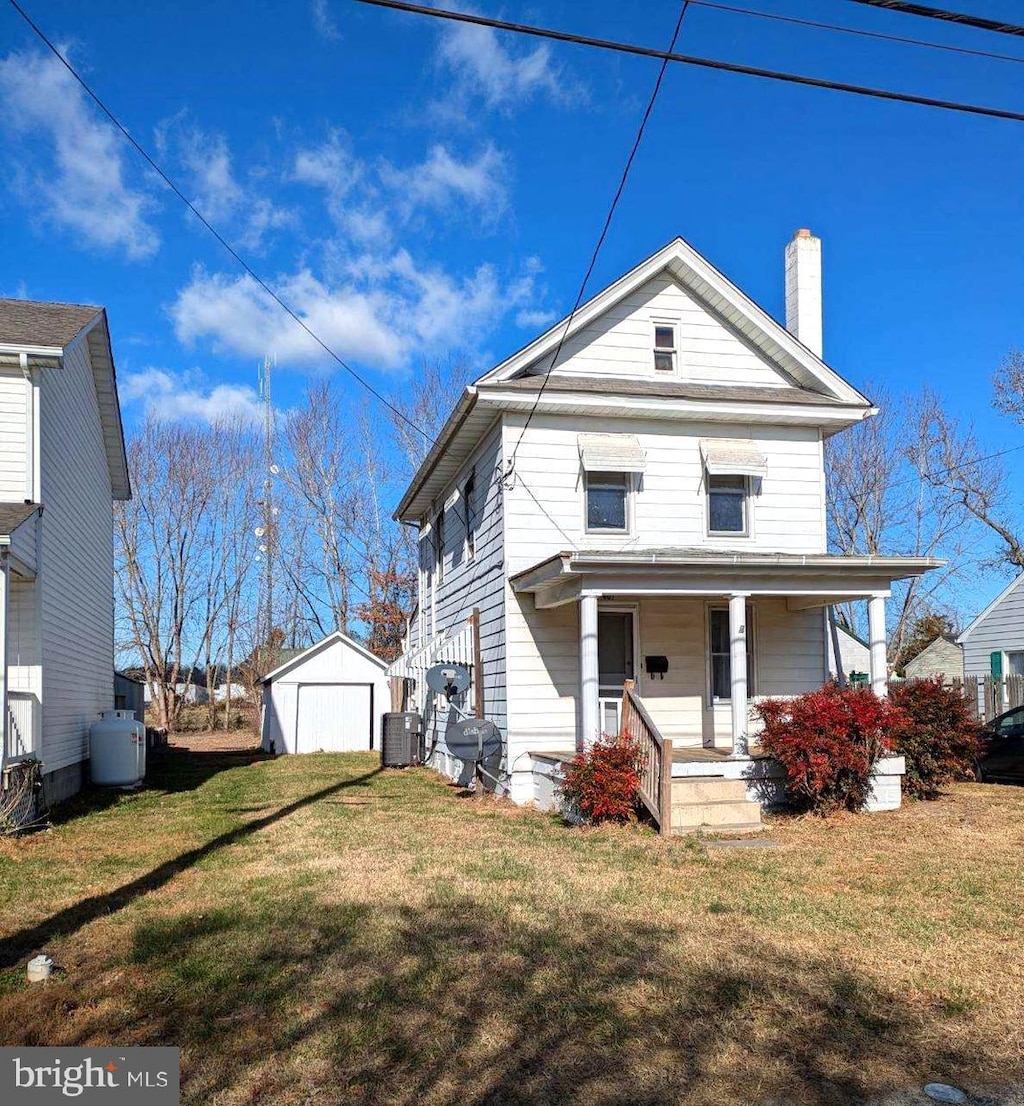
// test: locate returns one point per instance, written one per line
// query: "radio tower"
(268, 542)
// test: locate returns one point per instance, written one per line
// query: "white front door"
(334, 718)
(615, 664)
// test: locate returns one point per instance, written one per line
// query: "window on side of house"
(608, 502)
(664, 347)
(728, 506)
(1015, 663)
(721, 663)
(439, 547)
(470, 507)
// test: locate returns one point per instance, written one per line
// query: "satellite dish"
(448, 679)
(473, 739)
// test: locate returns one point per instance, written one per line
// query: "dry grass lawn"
(313, 931)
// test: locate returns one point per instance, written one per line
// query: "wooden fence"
(989, 696)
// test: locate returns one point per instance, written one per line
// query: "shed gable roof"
(305, 654)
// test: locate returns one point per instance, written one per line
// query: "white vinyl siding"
(14, 462)
(76, 561)
(1000, 630)
(480, 581)
(708, 350)
(544, 510)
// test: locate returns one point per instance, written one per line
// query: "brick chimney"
(803, 289)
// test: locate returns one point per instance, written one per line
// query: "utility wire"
(963, 19)
(860, 32)
(511, 468)
(700, 62)
(141, 150)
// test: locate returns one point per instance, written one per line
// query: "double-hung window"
(608, 502)
(664, 347)
(721, 660)
(728, 509)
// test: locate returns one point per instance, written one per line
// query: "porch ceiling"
(804, 580)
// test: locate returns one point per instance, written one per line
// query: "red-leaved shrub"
(828, 741)
(602, 783)
(939, 740)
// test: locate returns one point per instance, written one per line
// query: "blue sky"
(415, 188)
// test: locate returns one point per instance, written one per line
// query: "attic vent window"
(664, 348)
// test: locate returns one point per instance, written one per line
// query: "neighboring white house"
(62, 465)
(993, 644)
(327, 698)
(854, 653)
(651, 508)
(942, 657)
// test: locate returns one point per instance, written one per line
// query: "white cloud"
(384, 311)
(323, 21)
(186, 397)
(484, 67)
(79, 183)
(233, 207)
(443, 182)
(535, 320)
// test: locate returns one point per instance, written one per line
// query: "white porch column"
(738, 671)
(5, 592)
(589, 712)
(876, 643)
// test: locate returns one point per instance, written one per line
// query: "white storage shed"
(327, 698)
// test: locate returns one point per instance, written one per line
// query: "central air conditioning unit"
(402, 740)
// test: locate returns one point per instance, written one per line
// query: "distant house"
(62, 467)
(993, 644)
(854, 654)
(943, 657)
(327, 698)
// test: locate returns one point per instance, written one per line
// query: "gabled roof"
(305, 654)
(809, 391)
(49, 330)
(53, 325)
(13, 515)
(702, 280)
(990, 608)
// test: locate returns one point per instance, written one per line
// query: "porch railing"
(456, 646)
(655, 758)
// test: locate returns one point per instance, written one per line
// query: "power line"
(141, 150)
(700, 62)
(961, 18)
(510, 471)
(962, 465)
(859, 32)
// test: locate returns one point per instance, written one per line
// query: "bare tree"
(425, 401)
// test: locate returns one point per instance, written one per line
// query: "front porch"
(702, 634)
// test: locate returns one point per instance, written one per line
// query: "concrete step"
(722, 812)
(730, 829)
(707, 789)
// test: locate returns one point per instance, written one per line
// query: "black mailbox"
(656, 666)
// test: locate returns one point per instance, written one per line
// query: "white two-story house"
(649, 506)
(62, 465)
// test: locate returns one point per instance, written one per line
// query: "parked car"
(1002, 757)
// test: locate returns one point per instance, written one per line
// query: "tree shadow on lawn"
(73, 918)
(454, 1002)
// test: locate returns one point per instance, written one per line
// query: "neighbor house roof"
(12, 515)
(304, 654)
(1011, 586)
(45, 332)
(44, 325)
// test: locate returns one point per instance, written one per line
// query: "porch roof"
(804, 579)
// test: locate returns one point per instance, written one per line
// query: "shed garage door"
(335, 718)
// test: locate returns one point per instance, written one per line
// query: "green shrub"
(939, 739)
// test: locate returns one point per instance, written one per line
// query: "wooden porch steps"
(713, 803)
